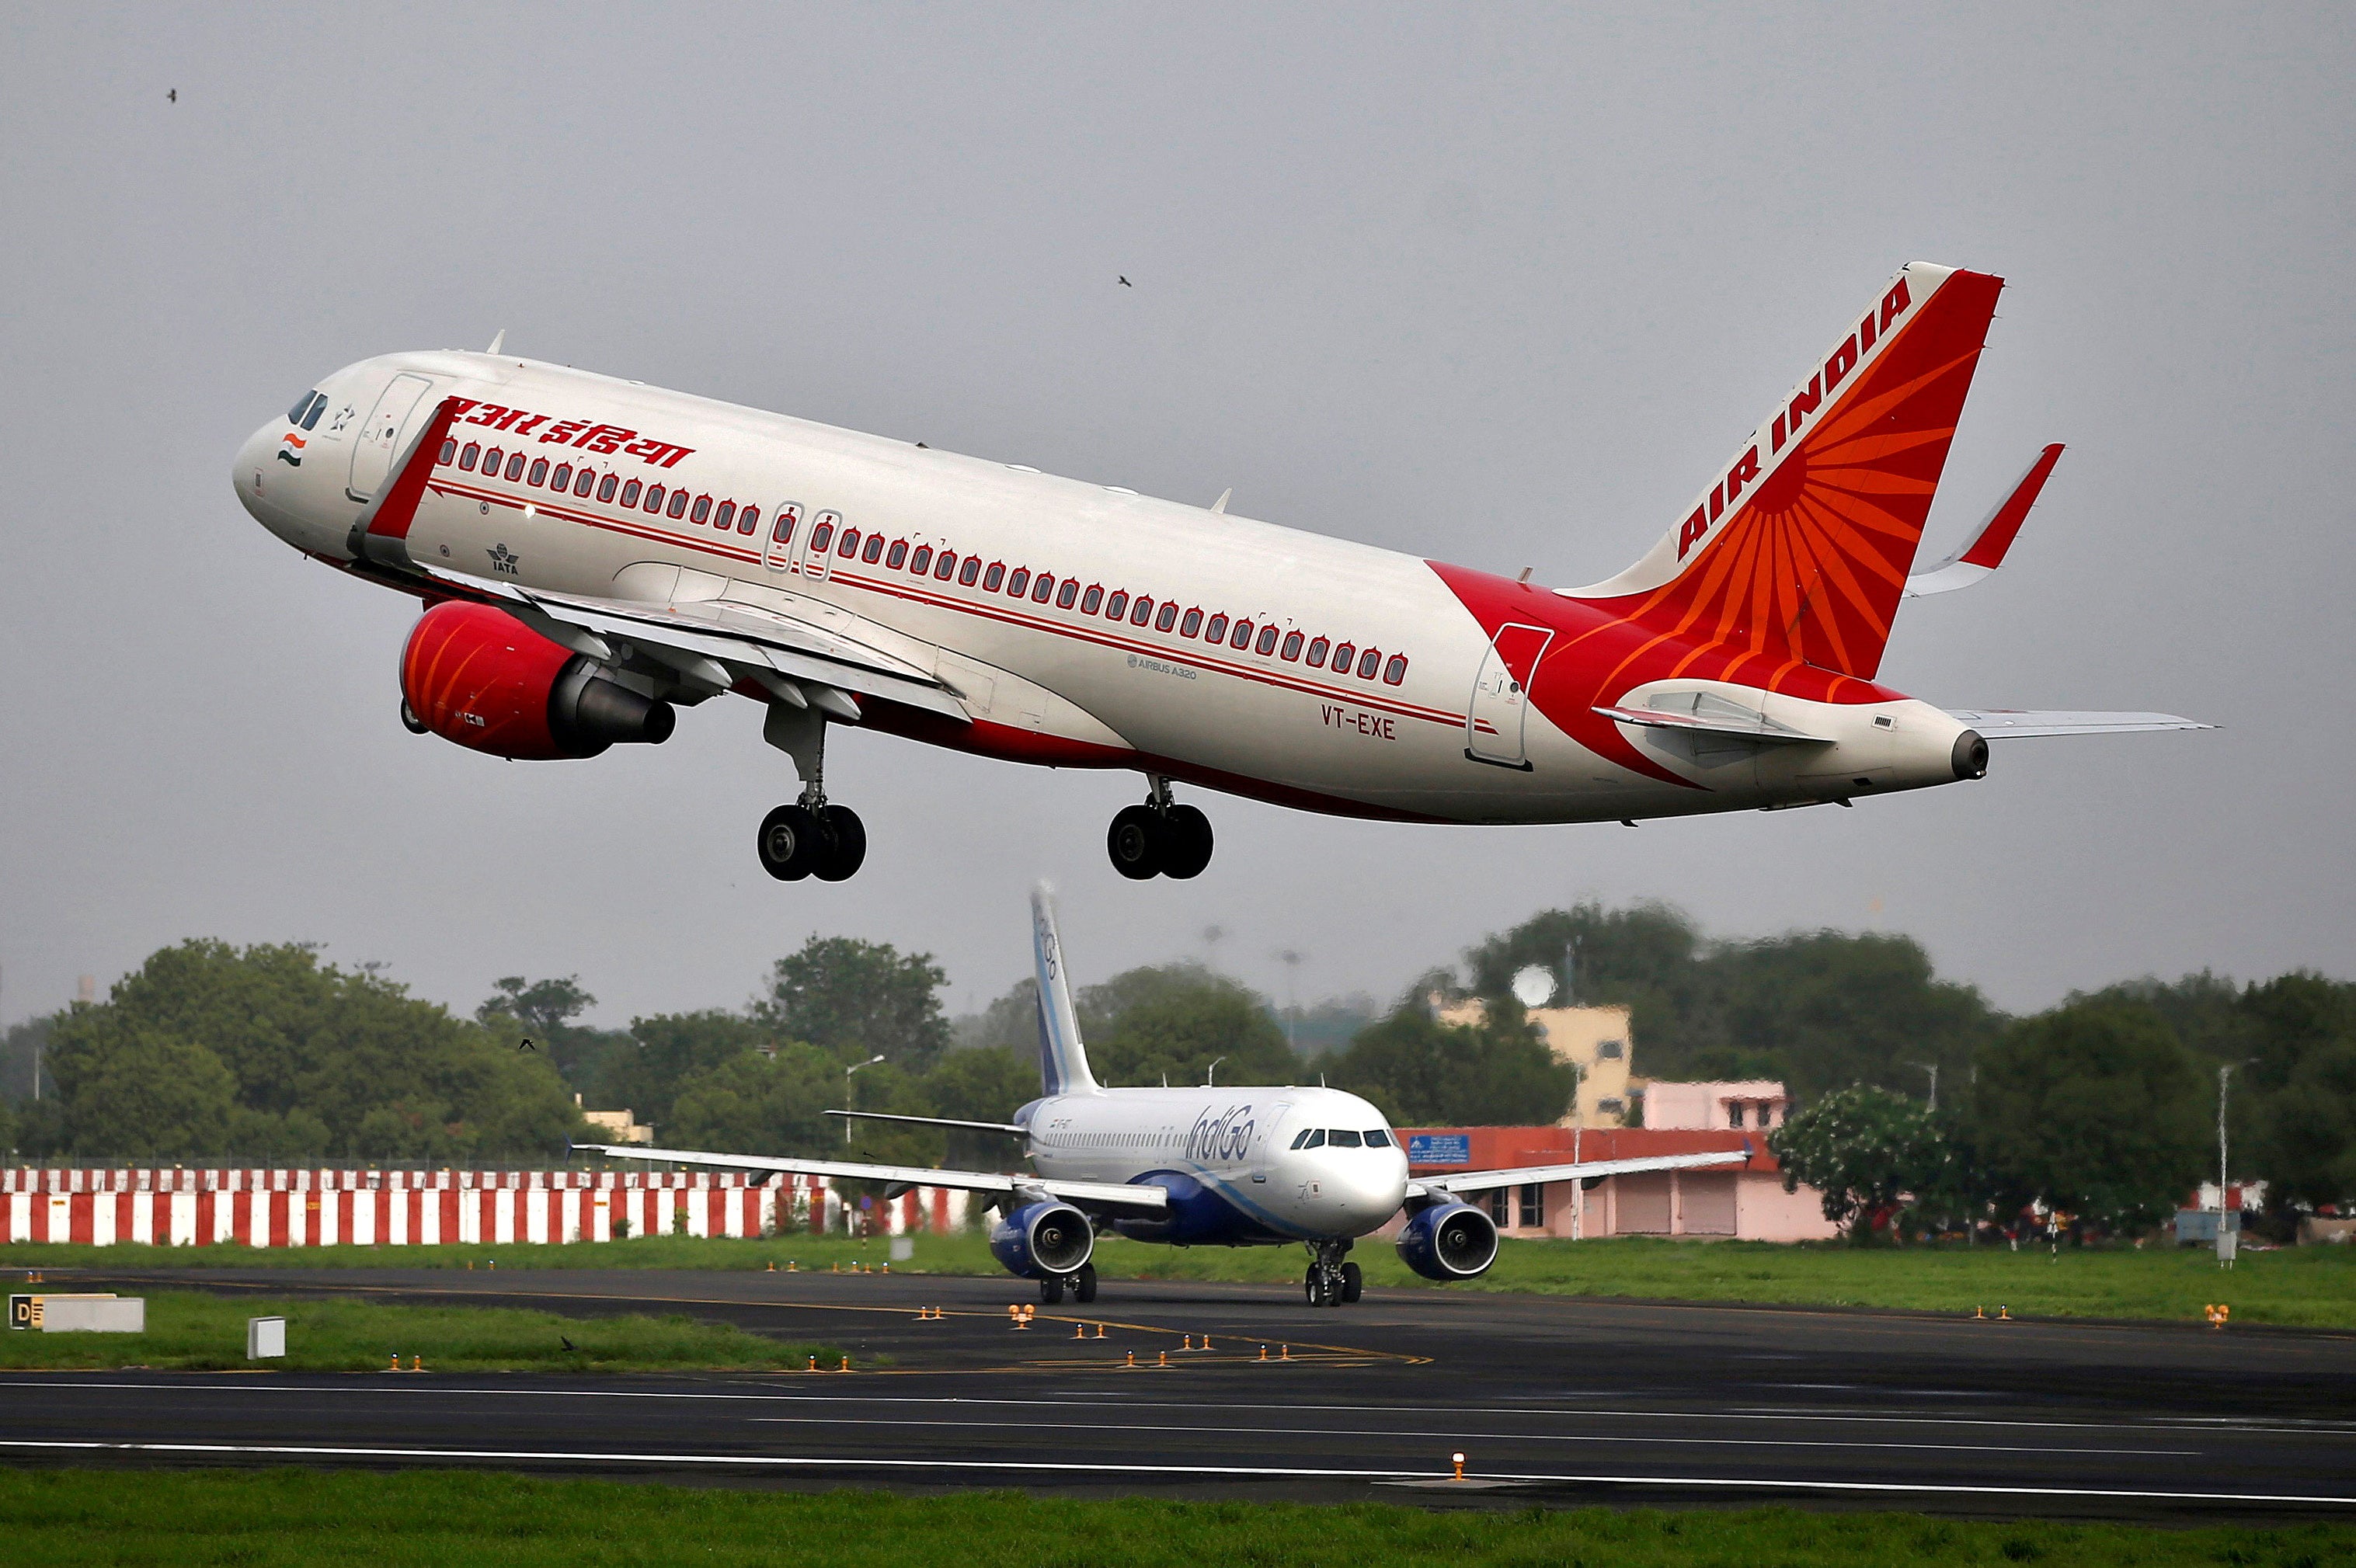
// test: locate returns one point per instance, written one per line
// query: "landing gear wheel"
(1187, 842)
(1354, 1281)
(847, 844)
(409, 719)
(792, 842)
(1051, 1291)
(1084, 1285)
(1137, 842)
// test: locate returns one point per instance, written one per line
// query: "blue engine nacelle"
(1042, 1241)
(1449, 1241)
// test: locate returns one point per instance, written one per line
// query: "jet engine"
(1042, 1241)
(477, 675)
(1449, 1241)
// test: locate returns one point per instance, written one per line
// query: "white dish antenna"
(1534, 987)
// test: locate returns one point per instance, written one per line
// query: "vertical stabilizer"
(1062, 1060)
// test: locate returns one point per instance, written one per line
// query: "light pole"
(847, 1103)
(1932, 1069)
(2227, 1244)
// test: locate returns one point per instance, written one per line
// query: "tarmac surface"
(1245, 1391)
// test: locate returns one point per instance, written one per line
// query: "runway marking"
(1454, 1434)
(1045, 1466)
(2196, 1424)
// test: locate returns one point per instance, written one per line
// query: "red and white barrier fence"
(402, 1208)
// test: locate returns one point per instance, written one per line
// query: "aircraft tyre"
(1354, 1281)
(1051, 1291)
(791, 843)
(1138, 842)
(1187, 842)
(846, 844)
(409, 719)
(1084, 1285)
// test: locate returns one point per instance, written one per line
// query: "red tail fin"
(1801, 549)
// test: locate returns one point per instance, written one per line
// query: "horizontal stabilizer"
(2013, 723)
(1986, 550)
(1699, 713)
(1010, 1128)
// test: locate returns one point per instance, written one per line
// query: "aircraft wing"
(1487, 1180)
(1985, 551)
(720, 642)
(2013, 723)
(1099, 1194)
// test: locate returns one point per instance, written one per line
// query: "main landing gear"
(1083, 1287)
(812, 837)
(1159, 838)
(1330, 1281)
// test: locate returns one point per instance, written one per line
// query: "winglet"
(1063, 1059)
(497, 339)
(381, 533)
(1986, 549)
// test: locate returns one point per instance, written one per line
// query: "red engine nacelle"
(477, 676)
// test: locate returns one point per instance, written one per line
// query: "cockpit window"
(318, 407)
(1342, 1137)
(1313, 1138)
(1379, 1137)
(302, 406)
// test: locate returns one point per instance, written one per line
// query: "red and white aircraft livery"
(593, 553)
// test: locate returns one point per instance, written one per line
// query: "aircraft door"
(379, 438)
(1492, 722)
(1264, 1145)
(817, 558)
(785, 535)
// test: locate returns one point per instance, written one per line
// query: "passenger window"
(539, 470)
(318, 407)
(1069, 591)
(1167, 619)
(782, 531)
(1116, 607)
(874, 550)
(820, 537)
(725, 517)
(748, 520)
(899, 556)
(1341, 657)
(562, 480)
(970, 572)
(1190, 624)
(1043, 590)
(1313, 1138)
(515, 464)
(678, 508)
(1216, 632)
(585, 481)
(1343, 1137)
(467, 458)
(1395, 671)
(1142, 614)
(1242, 638)
(922, 561)
(703, 509)
(1020, 583)
(449, 451)
(654, 494)
(491, 464)
(948, 566)
(606, 487)
(1090, 600)
(1379, 1137)
(849, 544)
(1291, 646)
(629, 495)
(1266, 640)
(996, 575)
(1369, 662)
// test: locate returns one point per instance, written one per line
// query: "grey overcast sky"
(1499, 285)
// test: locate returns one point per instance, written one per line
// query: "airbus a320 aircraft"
(592, 553)
(1207, 1167)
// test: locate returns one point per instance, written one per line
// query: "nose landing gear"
(811, 836)
(1159, 838)
(1331, 1282)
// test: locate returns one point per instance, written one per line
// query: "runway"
(1553, 1401)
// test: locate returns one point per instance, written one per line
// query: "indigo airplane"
(593, 553)
(1262, 1166)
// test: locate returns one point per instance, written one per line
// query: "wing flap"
(1104, 1194)
(2018, 724)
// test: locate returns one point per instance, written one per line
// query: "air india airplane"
(592, 554)
(1207, 1167)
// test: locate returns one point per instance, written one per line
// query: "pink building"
(1748, 1103)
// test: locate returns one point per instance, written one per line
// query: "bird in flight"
(527, 1045)
(1127, 284)
(172, 96)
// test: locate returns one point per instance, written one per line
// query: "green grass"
(193, 1332)
(2300, 1287)
(301, 1518)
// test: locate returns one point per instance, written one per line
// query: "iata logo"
(1745, 473)
(503, 560)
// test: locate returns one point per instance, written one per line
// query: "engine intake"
(477, 675)
(1042, 1241)
(1449, 1241)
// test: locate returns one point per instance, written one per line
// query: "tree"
(1837, 1008)
(663, 1053)
(1862, 1149)
(1011, 1020)
(1422, 1072)
(763, 1104)
(142, 1093)
(543, 1012)
(1178, 1019)
(986, 1084)
(2094, 1108)
(855, 998)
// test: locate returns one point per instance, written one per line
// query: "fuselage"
(1243, 1165)
(1079, 624)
